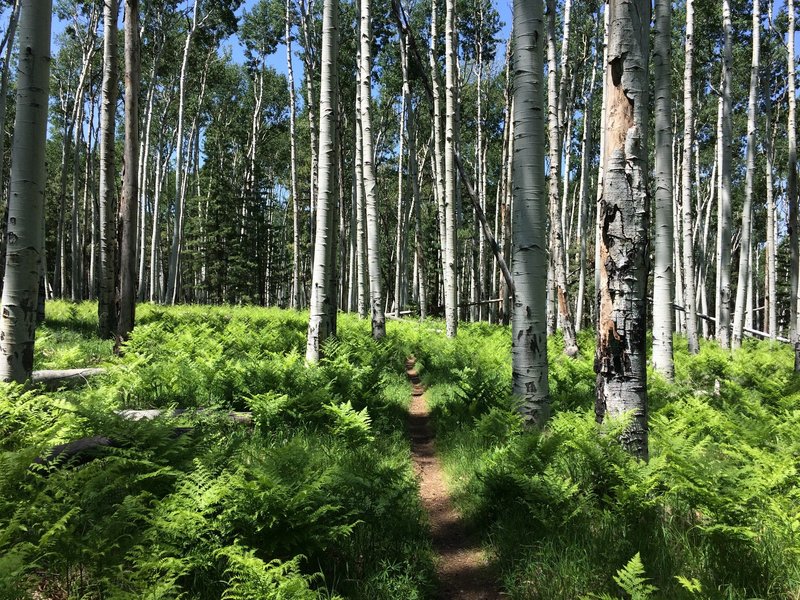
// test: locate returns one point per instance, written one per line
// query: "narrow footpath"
(461, 567)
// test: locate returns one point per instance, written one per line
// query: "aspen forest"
(399, 300)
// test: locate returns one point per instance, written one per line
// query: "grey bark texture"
(106, 309)
(663, 274)
(624, 208)
(724, 211)
(686, 185)
(369, 176)
(529, 229)
(25, 237)
(559, 264)
(321, 319)
(791, 185)
(451, 251)
(745, 274)
(130, 191)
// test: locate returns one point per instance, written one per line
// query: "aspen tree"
(620, 361)
(745, 243)
(180, 189)
(368, 172)
(130, 192)
(559, 264)
(451, 250)
(724, 206)
(25, 250)
(529, 254)
(791, 187)
(686, 185)
(106, 310)
(294, 298)
(663, 275)
(320, 323)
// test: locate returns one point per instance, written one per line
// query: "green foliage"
(631, 578)
(712, 515)
(318, 499)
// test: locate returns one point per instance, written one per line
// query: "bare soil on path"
(461, 566)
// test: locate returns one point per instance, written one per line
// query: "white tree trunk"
(529, 255)
(771, 249)
(745, 248)
(686, 185)
(451, 250)
(663, 275)
(724, 214)
(791, 186)
(180, 192)
(438, 150)
(321, 321)
(368, 171)
(620, 359)
(559, 265)
(25, 251)
(294, 298)
(583, 198)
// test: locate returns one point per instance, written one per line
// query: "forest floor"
(461, 566)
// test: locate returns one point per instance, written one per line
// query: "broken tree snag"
(623, 212)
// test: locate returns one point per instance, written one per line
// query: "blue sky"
(278, 60)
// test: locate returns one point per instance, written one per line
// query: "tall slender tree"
(724, 197)
(745, 248)
(451, 251)
(620, 361)
(663, 276)
(686, 184)
(791, 188)
(130, 191)
(106, 309)
(25, 251)
(559, 264)
(294, 299)
(368, 174)
(529, 254)
(321, 324)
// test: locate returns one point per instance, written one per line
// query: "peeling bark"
(620, 361)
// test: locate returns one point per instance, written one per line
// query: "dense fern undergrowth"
(317, 499)
(567, 514)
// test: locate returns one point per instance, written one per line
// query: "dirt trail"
(461, 566)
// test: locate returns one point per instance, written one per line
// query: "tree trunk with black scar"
(25, 237)
(529, 254)
(620, 361)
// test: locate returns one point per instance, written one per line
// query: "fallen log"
(53, 379)
(244, 418)
(84, 450)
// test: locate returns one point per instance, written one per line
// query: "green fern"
(250, 577)
(351, 426)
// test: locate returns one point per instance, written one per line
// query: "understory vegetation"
(568, 514)
(317, 498)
